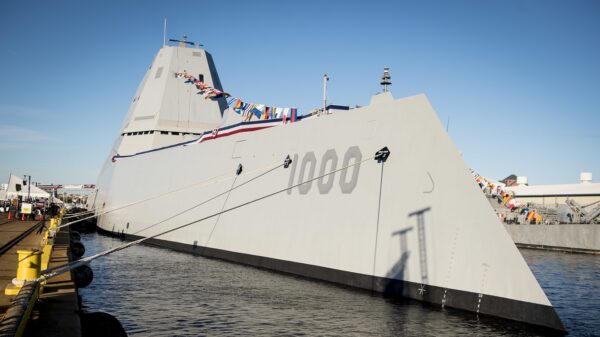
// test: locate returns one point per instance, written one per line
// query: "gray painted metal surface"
(567, 237)
(370, 222)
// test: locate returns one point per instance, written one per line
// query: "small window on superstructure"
(175, 133)
(146, 132)
(158, 72)
(152, 132)
(201, 77)
(164, 132)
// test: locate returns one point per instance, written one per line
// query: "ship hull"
(398, 227)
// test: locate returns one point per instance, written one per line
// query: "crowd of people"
(35, 208)
(507, 199)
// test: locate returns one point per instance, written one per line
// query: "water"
(158, 292)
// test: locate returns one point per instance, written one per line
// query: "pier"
(47, 309)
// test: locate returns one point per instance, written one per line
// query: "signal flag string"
(53, 272)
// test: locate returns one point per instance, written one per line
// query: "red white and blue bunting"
(249, 111)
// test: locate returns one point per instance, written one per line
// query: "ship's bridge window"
(164, 132)
(201, 77)
(175, 133)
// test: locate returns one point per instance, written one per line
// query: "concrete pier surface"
(576, 238)
(14, 235)
(55, 313)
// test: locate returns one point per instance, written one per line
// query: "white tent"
(16, 187)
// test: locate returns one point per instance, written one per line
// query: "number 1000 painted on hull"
(399, 227)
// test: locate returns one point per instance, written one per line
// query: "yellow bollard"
(53, 227)
(27, 270)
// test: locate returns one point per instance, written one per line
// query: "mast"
(165, 33)
(325, 80)
(386, 79)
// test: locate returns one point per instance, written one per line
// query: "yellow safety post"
(48, 243)
(46, 252)
(53, 227)
(28, 269)
(61, 212)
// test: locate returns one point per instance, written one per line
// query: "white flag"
(278, 112)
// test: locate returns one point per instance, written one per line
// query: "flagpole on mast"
(325, 79)
(165, 33)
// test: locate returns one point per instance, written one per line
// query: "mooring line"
(377, 229)
(211, 198)
(219, 216)
(52, 272)
(144, 200)
(199, 184)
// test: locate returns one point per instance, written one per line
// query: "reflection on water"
(158, 292)
(572, 283)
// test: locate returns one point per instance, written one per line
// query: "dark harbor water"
(158, 292)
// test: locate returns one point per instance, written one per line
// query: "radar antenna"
(386, 79)
(184, 41)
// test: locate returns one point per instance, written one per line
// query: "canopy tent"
(16, 187)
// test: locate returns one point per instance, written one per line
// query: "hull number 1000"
(303, 171)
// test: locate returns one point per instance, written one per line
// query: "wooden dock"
(56, 311)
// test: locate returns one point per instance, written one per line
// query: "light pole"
(28, 177)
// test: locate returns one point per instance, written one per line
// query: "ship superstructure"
(371, 197)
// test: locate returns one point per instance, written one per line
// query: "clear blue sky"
(520, 80)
